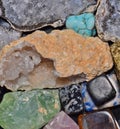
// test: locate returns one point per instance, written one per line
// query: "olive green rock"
(29, 109)
(115, 50)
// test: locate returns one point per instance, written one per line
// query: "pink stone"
(61, 121)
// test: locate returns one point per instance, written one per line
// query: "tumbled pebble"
(83, 24)
(71, 99)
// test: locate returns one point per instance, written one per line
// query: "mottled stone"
(83, 24)
(88, 101)
(28, 110)
(61, 121)
(53, 60)
(101, 90)
(7, 34)
(115, 50)
(33, 14)
(97, 120)
(71, 100)
(108, 20)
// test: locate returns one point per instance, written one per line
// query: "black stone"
(71, 99)
(101, 90)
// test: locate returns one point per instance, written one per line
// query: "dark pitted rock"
(27, 15)
(108, 20)
(7, 34)
(115, 50)
(28, 110)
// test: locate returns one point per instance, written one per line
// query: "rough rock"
(57, 59)
(115, 50)
(7, 34)
(28, 110)
(83, 24)
(108, 20)
(61, 121)
(27, 15)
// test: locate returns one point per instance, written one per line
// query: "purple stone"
(61, 121)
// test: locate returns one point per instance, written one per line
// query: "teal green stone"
(83, 24)
(29, 109)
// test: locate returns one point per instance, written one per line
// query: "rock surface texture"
(28, 110)
(108, 20)
(57, 59)
(115, 49)
(33, 14)
(61, 121)
(7, 34)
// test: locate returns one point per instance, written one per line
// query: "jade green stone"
(115, 50)
(29, 109)
(83, 24)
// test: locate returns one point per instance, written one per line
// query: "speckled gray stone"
(27, 15)
(7, 34)
(108, 20)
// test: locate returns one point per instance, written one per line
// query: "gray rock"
(27, 15)
(108, 20)
(7, 34)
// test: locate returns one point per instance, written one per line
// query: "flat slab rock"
(27, 15)
(108, 20)
(60, 58)
(7, 34)
(61, 121)
(28, 110)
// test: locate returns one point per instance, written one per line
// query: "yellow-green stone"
(29, 109)
(115, 50)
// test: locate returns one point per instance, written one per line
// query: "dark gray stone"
(108, 20)
(7, 34)
(27, 15)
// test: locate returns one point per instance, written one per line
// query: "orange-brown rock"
(42, 60)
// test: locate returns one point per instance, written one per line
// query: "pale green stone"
(29, 109)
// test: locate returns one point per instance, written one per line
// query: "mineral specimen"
(108, 20)
(101, 90)
(88, 101)
(7, 34)
(28, 110)
(61, 121)
(115, 50)
(97, 120)
(83, 24)
(26, 15)
(71, 99)
(60, 58)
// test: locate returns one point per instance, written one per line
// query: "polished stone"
(71, 99)
(83, 24)
(101, 90)
(97, 120)
(61, 121)
(29, 109)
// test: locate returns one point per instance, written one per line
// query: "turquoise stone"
(29, 109)
(83, 24)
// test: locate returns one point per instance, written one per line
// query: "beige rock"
(42, 60)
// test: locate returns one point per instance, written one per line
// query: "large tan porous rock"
(60, 58)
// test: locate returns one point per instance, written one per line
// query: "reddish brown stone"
(67, 56)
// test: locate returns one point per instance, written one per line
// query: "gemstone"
(83, 24)
(97, 120)
(28, 15)
(29, 109)
(101, 90)
(108, 20)
(71, 99)
(52, 60)
(88, 101)
(116, 56)
(61, 121)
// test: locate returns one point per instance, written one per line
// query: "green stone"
(115, 50)
(29, 109)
